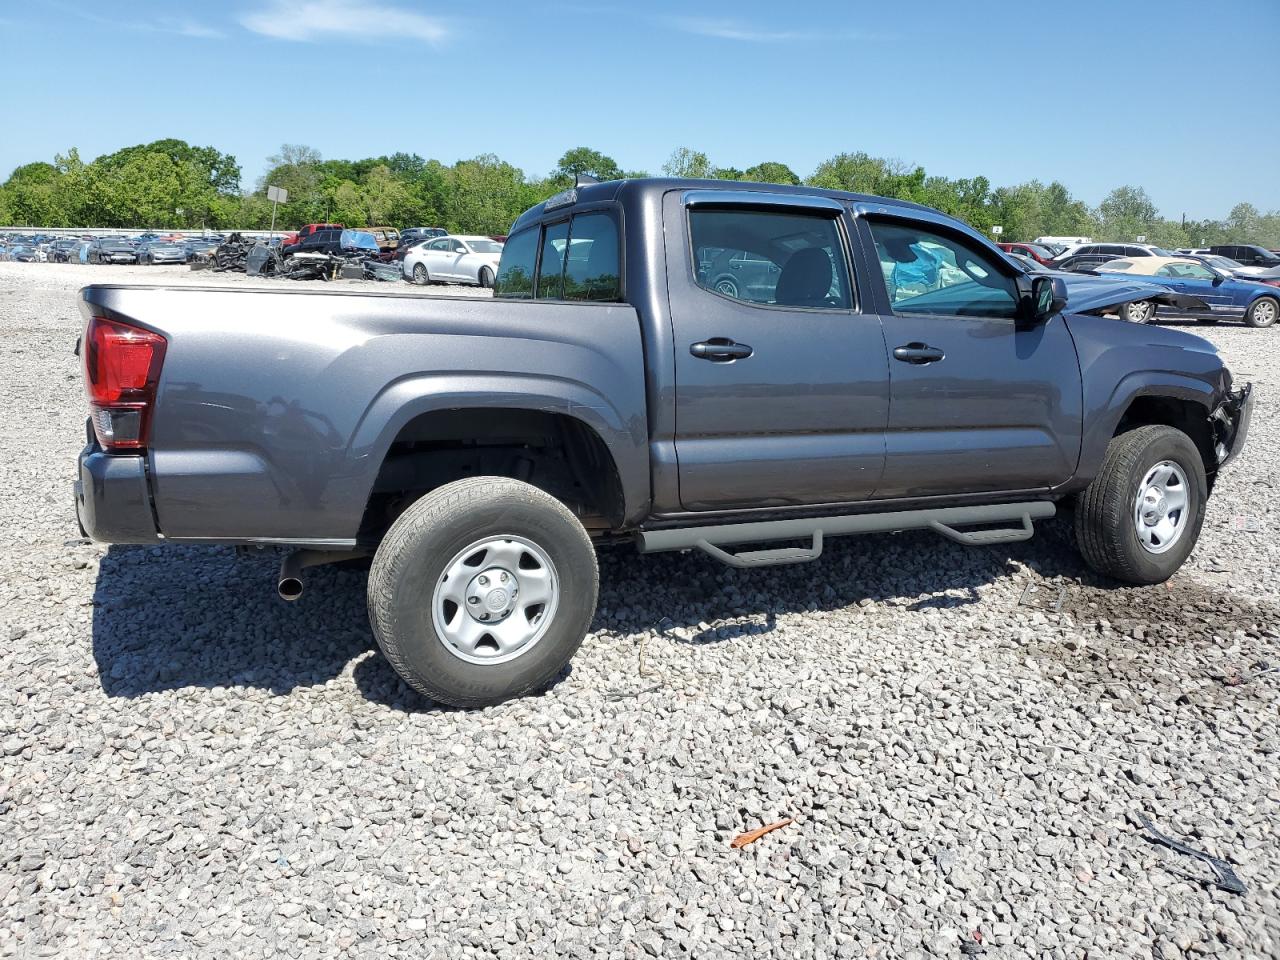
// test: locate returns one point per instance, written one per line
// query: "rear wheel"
(1140, 517)
(420, 274)
(1263, 312)
(482, 590)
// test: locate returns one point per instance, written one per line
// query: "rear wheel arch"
(559, 453)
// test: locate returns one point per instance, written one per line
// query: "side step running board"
(712, 540)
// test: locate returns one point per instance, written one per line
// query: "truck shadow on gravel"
(177, 617)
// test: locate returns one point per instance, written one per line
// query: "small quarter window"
(555, 239)
(515, 269)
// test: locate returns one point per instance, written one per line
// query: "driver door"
(976, 403)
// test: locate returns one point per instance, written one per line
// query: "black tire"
(429, 537)
(420, 275)
(1263, 312)
(1138, 311)
(1106, 529)
(486, 277)
(727, 286)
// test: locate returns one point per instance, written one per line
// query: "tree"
(688, 163)
(485, 195)
(860, 173)
(771, 172)
(591, 162)
(218, 171)
(1127, 212)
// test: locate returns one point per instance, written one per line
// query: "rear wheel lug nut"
(473, 599)
(484, 581)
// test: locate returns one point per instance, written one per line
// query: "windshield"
(1222, 263)
(1162, 252)
(1039, 249)
(485, 246)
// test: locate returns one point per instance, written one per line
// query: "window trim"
(1001, 264)
(825, 209)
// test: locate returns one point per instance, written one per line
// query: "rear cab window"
(577, 258)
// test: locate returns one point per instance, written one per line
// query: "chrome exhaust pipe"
(289, 582)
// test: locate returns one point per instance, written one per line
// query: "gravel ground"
(188, 766)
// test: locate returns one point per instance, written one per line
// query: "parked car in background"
(319, 241)
(200, 247)
(61, 251)
(388, 237)
(1267, 275)
(1084, 261)
(1111, 249)
(25, 253)
(112, 250)
(1227, 297)
(297, 236)
(421, 233)
(1036, 251)
(405, 246)
(1247, 254)
(161, 251)
(454, 259)
(737, 272)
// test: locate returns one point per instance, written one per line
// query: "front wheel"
(1263, 312)
(482, 590)
(486, 277)
(1139, 311)
(1141, 516)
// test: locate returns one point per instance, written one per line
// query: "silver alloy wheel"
(1264, 312)
(1161, 508)
(495, 600)
(1139, 311)
(727, 287)
(419, 273)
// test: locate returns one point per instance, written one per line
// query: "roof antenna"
(579, 179)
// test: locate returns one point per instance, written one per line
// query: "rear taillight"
(121, 371)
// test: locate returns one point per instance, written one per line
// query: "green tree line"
(173, 183)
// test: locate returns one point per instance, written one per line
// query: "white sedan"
(454, 260)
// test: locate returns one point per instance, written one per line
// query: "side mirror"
(1048, 296)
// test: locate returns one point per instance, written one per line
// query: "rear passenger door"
(977, 404)
(781, 376)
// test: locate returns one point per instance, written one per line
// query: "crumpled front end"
(1230, 421)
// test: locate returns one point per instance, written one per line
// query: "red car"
(297, 236)
(1033, 250)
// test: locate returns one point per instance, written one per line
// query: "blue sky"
(1177, 96)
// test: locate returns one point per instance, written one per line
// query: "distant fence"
(120, 232)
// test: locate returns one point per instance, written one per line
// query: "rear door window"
(592, 266)
(771, 258)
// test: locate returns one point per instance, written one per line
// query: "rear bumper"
(1231, 423)
(113, 503)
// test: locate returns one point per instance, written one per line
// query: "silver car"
(161, 251)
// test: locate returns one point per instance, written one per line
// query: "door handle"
(720, 350)
(916, 352)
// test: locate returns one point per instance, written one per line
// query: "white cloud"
(733, 30)
(307, 20)
(186, 28)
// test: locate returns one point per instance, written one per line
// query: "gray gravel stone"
(189, 767)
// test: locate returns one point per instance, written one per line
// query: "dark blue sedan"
(1228, 298)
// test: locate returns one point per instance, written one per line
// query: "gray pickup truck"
(739, 369)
